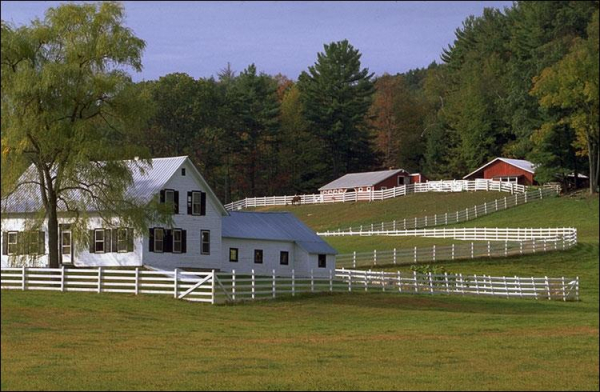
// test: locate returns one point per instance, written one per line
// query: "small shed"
(267, 241)
(517, 171)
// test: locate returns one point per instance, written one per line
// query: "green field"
(352, 341)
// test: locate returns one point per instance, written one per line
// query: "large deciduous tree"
(69, 110)
(337, 94)
(572, 86)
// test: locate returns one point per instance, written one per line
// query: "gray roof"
(277, 226)
(353, 180)
(520, 163)
(148, 180)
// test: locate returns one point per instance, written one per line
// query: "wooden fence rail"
(449, 218)
(403, 190)
(218, 287)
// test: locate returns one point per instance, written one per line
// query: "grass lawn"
(341, 215)
(366, 341)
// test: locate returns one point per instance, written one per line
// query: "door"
(66, 244)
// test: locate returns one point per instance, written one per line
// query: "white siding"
(192, 224)
(271, 256)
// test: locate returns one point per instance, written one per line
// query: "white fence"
(192, 286)
(458, 284)
(431, 254)
(213, 287)
(430, 186)
(449, 218)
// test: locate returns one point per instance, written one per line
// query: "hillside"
(336, 215)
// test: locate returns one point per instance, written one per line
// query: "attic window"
(183, 171)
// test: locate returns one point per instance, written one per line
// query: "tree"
(572, 85)
(70, 111)
(337, 94)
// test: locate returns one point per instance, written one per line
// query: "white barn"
(199, 238)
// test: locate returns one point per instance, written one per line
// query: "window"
(12, 243)
(33, 239)
(98, 241)
(205, 238)
(284, 257)
(121, 240)
(322, 261)
(183, 171)
(159, 235)
(258, 256)
(233, 255)
(196, 203)
(169, 196)
(177, 240)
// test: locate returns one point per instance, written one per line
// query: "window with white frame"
(205, 237)
(122, 240)
(12, 243)
(159, 236)
(177, 241)
(99, 241)
(196, 203)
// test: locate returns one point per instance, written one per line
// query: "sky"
(200, 38)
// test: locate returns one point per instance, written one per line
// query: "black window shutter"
(183, 241)
(168, 241)
(5, 243)
(162, 196)
(107, 240)
(129, 239)
(42, 242)
(203, 204)
(151, 240)
(20, 243)
(115, 241)
(92, 242)
(176, 197)
(189, 203)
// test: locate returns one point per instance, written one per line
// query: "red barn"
(371, 181)
(517, 171)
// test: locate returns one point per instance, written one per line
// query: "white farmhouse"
(204, 235)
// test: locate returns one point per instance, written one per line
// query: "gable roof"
(352, 180)
(277, 226)
(148, 180)
(520, 163)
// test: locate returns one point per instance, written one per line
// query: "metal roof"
(353, 180)
(148, 180)
(277, 226)
(520, 163)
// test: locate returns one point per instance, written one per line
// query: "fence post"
(446, 218)
(467, 210)
(520, 247)
(233, 285)
(293, 283)
(548, 288)
(99, 279)
(446, 280)
(383, 281)
(399, 282)
(472, 251)
(175, 283)
(462, 284)
(577, 288)
(541, 194)
(415, 254)
(24, 277)
(506, 248)
(534, 288)
(331, 281)
(433, 252)
(312, 281)
(564, 294)
(476, 284)
(274, 290)
(394, 256)
(375, 256)
(367, 275)
(489, 250)
(534, 246)
(452, 251)
(430, 283)
(62, 278)
(213, 288)
(350, 281)
(253, 284)
(354, 259)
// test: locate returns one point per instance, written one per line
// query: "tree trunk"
(53, 248)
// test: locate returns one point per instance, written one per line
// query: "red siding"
(417, 178)
(390, 182)
(503, 169)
